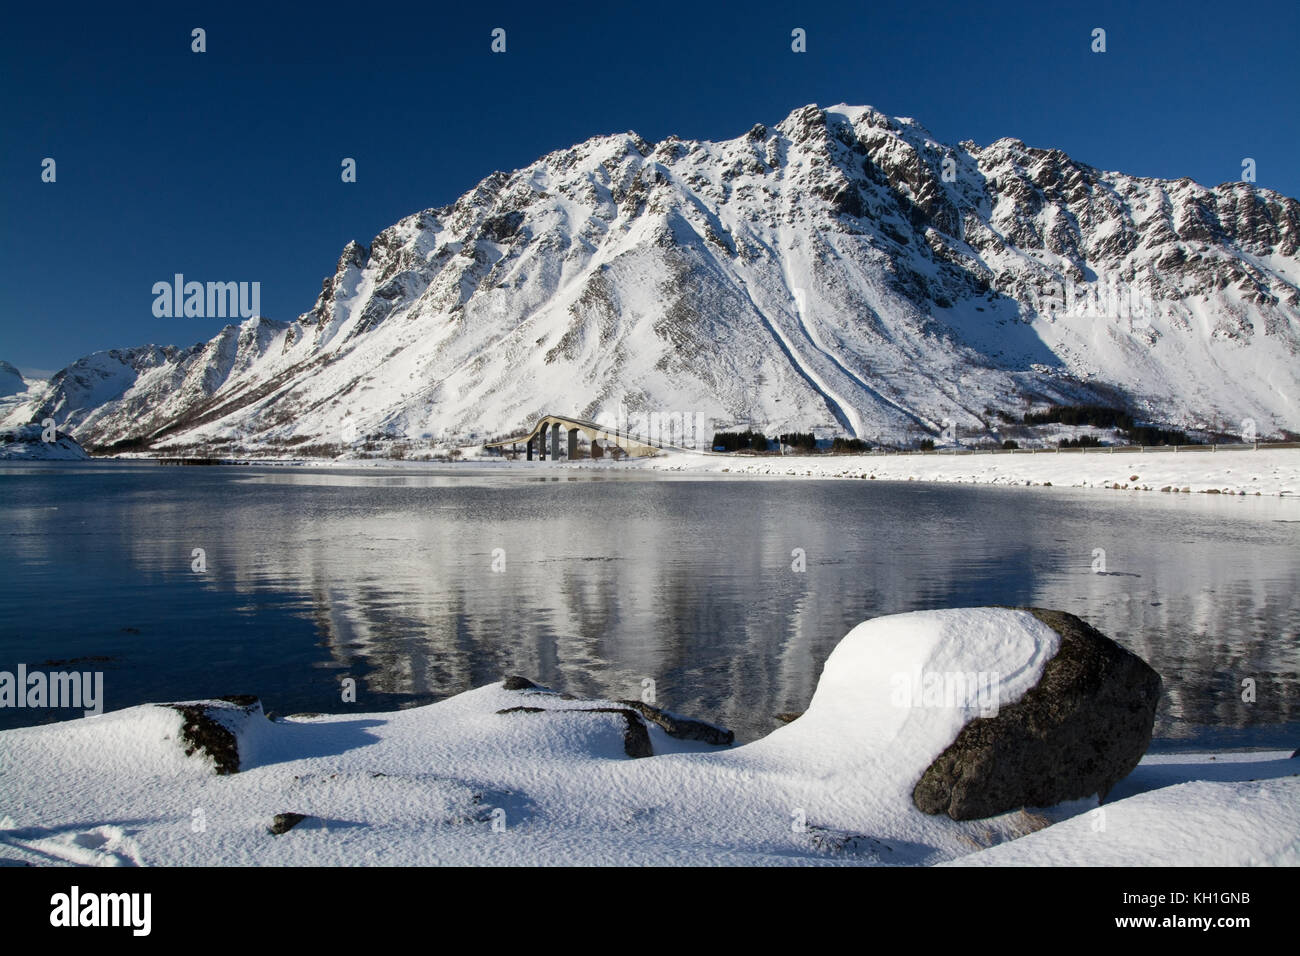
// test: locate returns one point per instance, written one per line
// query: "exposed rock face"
(1080, 730)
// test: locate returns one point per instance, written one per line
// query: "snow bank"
(497, 776)
(1200, 823)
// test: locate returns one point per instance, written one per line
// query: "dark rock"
(515, 682)
(789, 716)
(636, 738)
(207, 728)
(683, 728)
(284, 822)
(500, 228)
(1079, 731)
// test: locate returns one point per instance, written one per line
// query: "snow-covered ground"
(550, 781)
(1212, 809)
(1264, 472)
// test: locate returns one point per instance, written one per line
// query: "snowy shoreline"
(512, 774)
(1265, 472)
(1272, 472)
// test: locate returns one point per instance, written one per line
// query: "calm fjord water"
(387, 576)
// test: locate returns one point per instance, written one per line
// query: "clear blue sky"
(225, 165)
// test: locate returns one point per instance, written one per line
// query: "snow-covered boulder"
(1080, 729)
(897, 690)
(224, 730)
(27, 443)
(908, 713)
(594, 722)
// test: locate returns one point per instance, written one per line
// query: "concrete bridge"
(548, 429)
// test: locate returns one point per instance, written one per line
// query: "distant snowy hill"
(841, 270)
(17, 392)
(27, 443)
(11, 381)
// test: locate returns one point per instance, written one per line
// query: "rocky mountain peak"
(840, 270)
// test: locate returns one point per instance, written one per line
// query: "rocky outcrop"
(1083, 727)
(213, 728)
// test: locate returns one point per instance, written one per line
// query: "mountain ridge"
(841, 271)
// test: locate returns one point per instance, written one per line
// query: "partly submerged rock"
(1080, 729)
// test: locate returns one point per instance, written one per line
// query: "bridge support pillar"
(573, 444)
(555, 441)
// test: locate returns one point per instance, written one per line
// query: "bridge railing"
(619, 433)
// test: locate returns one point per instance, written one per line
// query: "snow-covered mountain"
(34, 443)
(17, 392)
(841, 270)
(11, 381)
